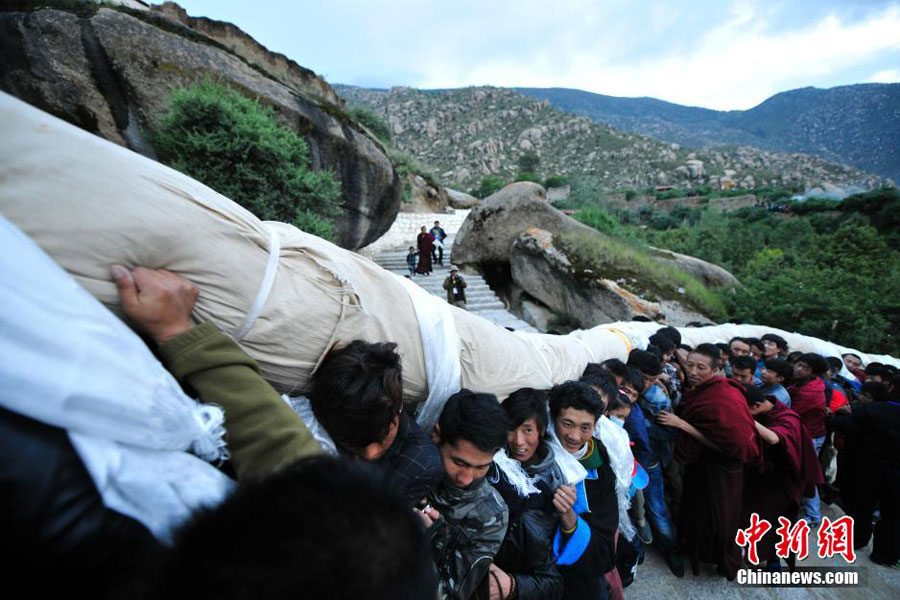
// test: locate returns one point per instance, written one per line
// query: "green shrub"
(529, 162)
(533, 177)
(556, 181)
(373, 121)
(237, 147)
(490, 184)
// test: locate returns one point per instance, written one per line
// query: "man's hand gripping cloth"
(68, 362)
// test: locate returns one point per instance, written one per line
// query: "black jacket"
(57, 533)
(527, 549)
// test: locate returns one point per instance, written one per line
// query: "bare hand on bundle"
(159, 302)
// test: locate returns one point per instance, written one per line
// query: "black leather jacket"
(57, 533)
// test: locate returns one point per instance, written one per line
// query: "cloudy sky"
(713, 53)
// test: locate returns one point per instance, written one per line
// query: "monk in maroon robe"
(789, 471)
(718, 440)
(425, 243)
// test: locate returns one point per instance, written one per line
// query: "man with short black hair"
(357, 397)
(437, 252)
(292, 532)
(774, 346)
(743, 369)
(471, 430)
(791, 470)
(776, 373)
(585, 548)
(739, 346)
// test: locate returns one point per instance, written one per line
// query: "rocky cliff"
(111, 70)
(468, 133)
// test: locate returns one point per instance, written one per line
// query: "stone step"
(480, 299)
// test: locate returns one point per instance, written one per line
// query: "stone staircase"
(480, 299)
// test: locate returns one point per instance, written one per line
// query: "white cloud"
(886, 76)
(734, 65)
(704, 53)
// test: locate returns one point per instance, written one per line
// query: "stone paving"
(654, 580)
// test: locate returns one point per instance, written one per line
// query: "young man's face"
(744, 376)
(699, 368)
(802, 370)
(464, 462)
(739, 348)
(770, 377)
(756, 352)
(852, 361)
(770, 349)
(574, 428)
(523, 441)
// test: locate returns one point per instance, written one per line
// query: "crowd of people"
(554, 493)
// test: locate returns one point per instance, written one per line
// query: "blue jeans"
(811, 505)
(657, 511)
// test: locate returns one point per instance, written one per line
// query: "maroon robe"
(714, 481)
(789, 471)
(425, 243)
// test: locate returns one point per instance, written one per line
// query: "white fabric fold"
(66, 361)
(441, 347)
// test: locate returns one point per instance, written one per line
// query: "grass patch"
(617, 259)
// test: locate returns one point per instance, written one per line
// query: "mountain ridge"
(469, 133)
(856, 124)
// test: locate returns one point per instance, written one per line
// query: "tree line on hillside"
(828, 268)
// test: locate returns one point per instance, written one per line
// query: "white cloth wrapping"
(640, 332)
(66, 361)
(621, 460)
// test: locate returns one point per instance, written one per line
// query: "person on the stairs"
(411, 260)
(456, 288)
(425, 244)
(437, 252)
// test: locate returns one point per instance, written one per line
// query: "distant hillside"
(468, 133)
(855, 124)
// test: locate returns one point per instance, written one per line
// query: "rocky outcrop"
(461, 199)
(709, 274)
(545, 272)
(498, 220)
(496, 223)
(111, 71)
(423, 197)
(253, 52)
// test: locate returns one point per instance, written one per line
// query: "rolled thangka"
(286, 296)
(66, 361)
(640, 333)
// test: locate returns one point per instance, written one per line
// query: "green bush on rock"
(236, 146)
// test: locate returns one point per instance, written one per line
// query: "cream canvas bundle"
(285, 295)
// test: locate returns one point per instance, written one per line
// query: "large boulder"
(488, 233)
(461, 199)
(543, 269)
(111, 71)
(709, 274)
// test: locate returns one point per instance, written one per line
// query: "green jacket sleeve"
(264, 434)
